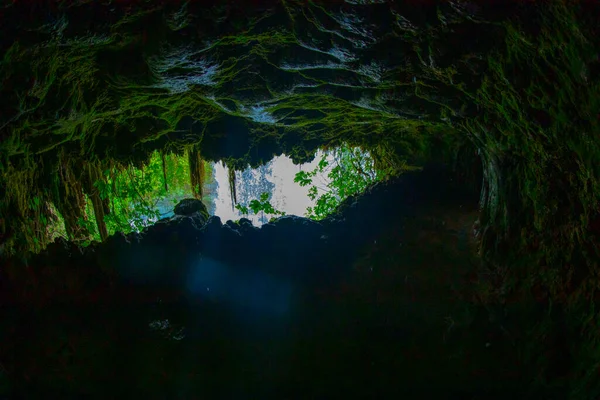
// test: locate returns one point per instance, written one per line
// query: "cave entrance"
(270, 184)
(280, 187)
(138, 197)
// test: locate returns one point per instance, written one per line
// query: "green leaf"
(256, 206)
(268, 208)
(323, 163)
(303, 178)
(242, 209)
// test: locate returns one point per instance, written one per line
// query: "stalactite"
(95, 174)
(231, 172)
(164, 169)
(106, 200)
(71, 199)
(32, 219)
(196, 172)
(201, 175)
(106, 205)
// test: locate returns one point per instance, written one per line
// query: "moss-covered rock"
(191, 206)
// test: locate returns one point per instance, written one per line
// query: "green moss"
(541, 191)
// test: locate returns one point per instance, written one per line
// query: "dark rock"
(298, 226)
(91, 248)
(133, 237)
(251, 229)
(232, 225)
(268, 228)
(268, 238)
(213, 225)
(199, 218)
(117, 241)
(248, 230)
(157, 233)
(193, 222)
(190, 207)
(58, 249)
(214, 221)
(189, 231)
(245, 222)
(211, 243)
(163, 220)
(230, 233)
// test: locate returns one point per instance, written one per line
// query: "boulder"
(245, 222)
(232, 225)
(213, 225)
(189, 207)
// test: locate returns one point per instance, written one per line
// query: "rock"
(213, 224)
(133, 237)
(298, 226)
(163, 220)
(230, 233)
(157, 233)
(189, 207)
(117, 241)
(245, 222)
(232, 225)
(249, 230)
(58, 249)
(268, 228)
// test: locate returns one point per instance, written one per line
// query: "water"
(275, 178)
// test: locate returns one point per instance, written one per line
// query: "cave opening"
(140, 197)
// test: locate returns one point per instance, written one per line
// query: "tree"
(261, 205)
(350, 172)
(135, 194)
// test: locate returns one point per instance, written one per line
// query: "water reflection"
(275, 178)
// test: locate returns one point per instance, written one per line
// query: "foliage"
(135, 194)
(350, 172)
(261, 205)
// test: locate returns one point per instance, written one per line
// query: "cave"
(466, 268)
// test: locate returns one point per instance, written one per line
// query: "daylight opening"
(133, 198)
(280, 187)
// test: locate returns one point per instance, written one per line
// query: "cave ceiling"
(113, 79)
